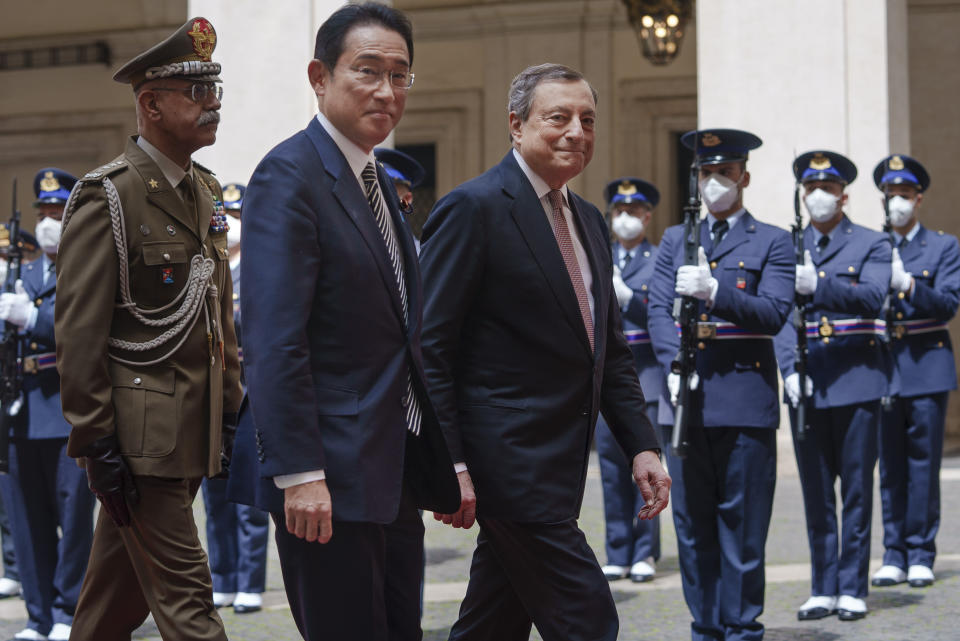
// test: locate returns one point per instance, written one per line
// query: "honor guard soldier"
(45, 490)
(146, 348)
(10, 581)
(236, 534)
(723, 488)
(632, 544)
(845, 276)
(407, 174)
(926, 284)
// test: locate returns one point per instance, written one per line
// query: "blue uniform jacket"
(853, 279)
(924, 360)
(41, 416)
(638, 276)
(754, 266)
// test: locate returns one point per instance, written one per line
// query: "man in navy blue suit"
(925, 279)
(347, 441)
(523, 348)
(632, 544)
(845, 275)
(723, 489)
(45, 490)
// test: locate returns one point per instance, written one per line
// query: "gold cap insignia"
(819, 162)
(710, 140)
(626, 188)
(49, 182)
(204, 38)
(896, 163)
(232, 194)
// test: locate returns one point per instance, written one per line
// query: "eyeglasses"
(197, 92)
(372, 77)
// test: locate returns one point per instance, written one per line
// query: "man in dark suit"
(331, 322)
(523, 348)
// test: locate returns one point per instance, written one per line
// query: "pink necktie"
(562, 233)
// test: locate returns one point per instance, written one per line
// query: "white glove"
(900, 279)
(673, 384)
(792, 385)
(806, 279)
(16, 307)
(696, 280)
(623, 291)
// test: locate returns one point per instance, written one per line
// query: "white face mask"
(901, 209)
(719, 192)
(822, 205)
(48, 235)
(233, 234)
(626, 226)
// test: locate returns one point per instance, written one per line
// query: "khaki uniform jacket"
(167, 417)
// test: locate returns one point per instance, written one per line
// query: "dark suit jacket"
(326, 354)
(515, 385)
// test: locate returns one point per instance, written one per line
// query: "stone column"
(264, 49)
(805, 74)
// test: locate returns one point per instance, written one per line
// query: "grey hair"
(522, 88)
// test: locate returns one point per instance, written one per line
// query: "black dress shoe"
(246, 609)
(850, 615)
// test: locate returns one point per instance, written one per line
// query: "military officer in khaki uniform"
(146, 348)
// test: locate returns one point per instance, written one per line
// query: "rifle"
(11, 373)
(685, 313)
(889, 311)
(800, 320)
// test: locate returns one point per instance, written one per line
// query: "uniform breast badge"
(167, 275)
(218, 222)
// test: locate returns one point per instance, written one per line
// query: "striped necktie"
(372, 189)
(562, 234)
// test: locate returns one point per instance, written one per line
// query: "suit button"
(584, 411)
(822, 274)
(166, 257)
(404, 401)
(38, 302)
(701, 345)
(137, 380)
(262, 458)
(704, 317)
(33, 346)
(713, 265)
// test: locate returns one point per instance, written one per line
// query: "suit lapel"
(159, 192)
(735, 237)
(836, 243)
(408, 251)
(593, 244)
(528, 214)
(347, 191)
(914, 248)
(32, 276)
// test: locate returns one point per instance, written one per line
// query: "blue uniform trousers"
(841, 442)
(722, 500)
(44, 491)
(629, 540)
(10, 570)
(911, 446)
(236, 541)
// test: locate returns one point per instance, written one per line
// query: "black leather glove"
(110, 479)
(229, 432)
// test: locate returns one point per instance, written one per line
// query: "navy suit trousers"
(722, 499)
(911, 446)
(841, 442)
(236, 541)
(629, 540)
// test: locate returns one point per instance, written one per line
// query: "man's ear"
(515, 128)
(147, 102)
(317, 73)
(746, 179)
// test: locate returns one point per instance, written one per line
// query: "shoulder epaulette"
(104, 170)
(202, 168)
